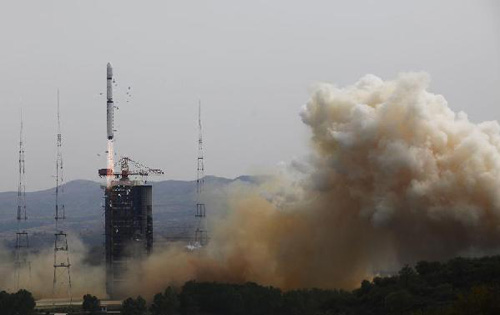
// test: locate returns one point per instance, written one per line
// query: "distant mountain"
(173, 209)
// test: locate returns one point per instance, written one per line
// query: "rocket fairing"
(110, 105)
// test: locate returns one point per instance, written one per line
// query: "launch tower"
(128, 221)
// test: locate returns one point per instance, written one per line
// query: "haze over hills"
(173, 209)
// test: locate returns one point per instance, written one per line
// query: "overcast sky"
(252, 64)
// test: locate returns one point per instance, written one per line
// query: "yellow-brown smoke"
(394, 176)
(38, 276)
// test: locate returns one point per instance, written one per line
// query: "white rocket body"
(110, 105)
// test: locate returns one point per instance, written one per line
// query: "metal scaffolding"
(128, 230)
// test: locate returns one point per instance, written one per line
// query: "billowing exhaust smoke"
(395, 176)
(85, 278)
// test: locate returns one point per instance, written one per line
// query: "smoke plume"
(37, 277)
(394, 176)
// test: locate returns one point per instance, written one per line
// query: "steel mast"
(62, 276)
(201, 233)
(22, 261)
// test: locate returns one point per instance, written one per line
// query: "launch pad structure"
(128, 209)
(128, 229)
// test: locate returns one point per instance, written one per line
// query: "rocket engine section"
(110, 104)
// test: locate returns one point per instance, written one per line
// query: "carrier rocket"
(110, 108)
(110, 105)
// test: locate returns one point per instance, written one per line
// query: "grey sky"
(250, 62)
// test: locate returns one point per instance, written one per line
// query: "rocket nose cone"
(109, 70)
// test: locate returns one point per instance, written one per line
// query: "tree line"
(460, 286)
(457, 287)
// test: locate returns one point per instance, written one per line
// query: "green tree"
(134, 306)
(23, 303)
(19, 303)
(189, 304)
(4, 301)
(481, 300)
(407, 276)
(91, 303)
(166, 303)
(399, 302)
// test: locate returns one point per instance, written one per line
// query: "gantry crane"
(125, 163)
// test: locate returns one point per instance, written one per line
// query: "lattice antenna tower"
(22, 261)
(21, 188)
(61, 284)
(201, 233)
